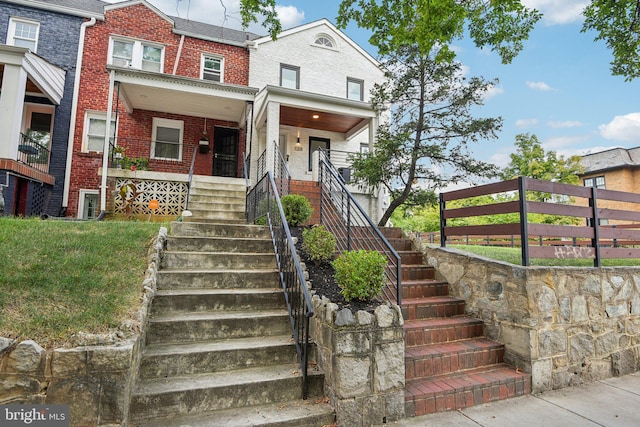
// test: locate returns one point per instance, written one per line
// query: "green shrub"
(297, 209)
(319, 243)
(360, 274)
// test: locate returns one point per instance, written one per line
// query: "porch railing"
(263, 205)
(597, 236)
(341, 214)
(33, 153)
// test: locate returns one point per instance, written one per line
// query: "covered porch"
(168, 125)
(30, 90)
(296, 124)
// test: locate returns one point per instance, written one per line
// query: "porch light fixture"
(203, 144)
(315, 116)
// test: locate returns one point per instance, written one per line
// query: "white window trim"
(176, 124)
(81, 197)
(11, 31)
(328, 37)
(91, 114)
(211, 55)
(136, 55)
(354, 80)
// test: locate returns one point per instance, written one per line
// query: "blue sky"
(559, 88)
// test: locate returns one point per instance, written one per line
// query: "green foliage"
(250, 10)
(426, 140)
(140, 163)
(618, 24)
(319, 243)
(532, 161)
(297, 209)
(500, 24)
(360, 274)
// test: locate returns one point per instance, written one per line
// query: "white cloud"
(558, 11)
(526, 123)
(289, 16)
(541, 86)
(492, 91)
(565, 144)
(565, 124)
(622, 128)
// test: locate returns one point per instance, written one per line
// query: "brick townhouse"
(176, 94)
(39, 43)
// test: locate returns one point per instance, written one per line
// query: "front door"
(225, 152)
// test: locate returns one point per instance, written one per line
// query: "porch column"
(273, 133)
(14, 83)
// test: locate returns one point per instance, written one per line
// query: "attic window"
(324, 41)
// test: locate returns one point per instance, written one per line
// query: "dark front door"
(225, 152)
(20, 202)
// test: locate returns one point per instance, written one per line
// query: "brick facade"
(58, 44)
(139, 22)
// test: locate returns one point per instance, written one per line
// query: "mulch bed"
(322, 279)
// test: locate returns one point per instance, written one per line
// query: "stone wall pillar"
(362, 356)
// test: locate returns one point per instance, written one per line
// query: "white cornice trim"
(57, 8)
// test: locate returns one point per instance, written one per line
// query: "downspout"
(105, 149)
(74, 111)
(175, 64)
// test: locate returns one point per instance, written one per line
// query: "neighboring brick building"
(614, 169)
(38, 57)
(168, 78)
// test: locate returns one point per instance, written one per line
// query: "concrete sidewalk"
(611, 402)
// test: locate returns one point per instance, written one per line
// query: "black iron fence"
(341, 214)
(33, 153)
(264, 207)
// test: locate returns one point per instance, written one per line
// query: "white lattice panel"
(171, 196)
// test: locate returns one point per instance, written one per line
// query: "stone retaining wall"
(95, 377)
(564, 325)
(362, 356)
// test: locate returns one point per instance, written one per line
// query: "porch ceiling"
(303, 118)
(42, 76)
(180, 95)
(315, 111)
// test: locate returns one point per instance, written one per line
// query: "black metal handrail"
(263, 201)
(193, 162)
(341, 214)
(32, 153)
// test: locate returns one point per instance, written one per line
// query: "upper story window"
(597, 182)
(23, 33)
(167, 139)
(136, 54)
(95, 126)
(324, 41)
(212, 68)
(355, 89)
(289, 76)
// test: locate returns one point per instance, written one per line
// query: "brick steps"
(449, 363)
(465, 389)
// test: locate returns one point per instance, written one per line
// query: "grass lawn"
(61, 277)
(513, 256)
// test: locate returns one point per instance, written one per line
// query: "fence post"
(524, 224)
(595, 242)
(443, 222)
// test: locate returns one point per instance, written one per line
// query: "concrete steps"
(449, 363)
(217, 199)
(218, 345)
